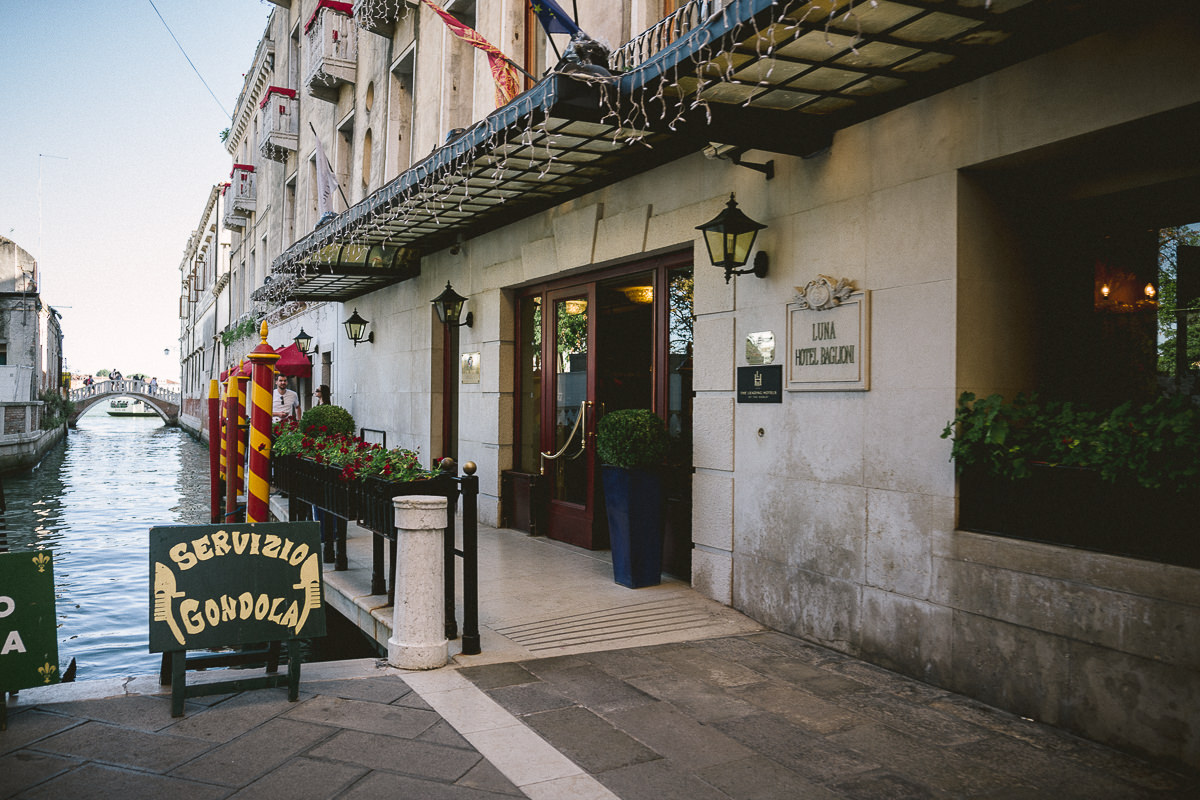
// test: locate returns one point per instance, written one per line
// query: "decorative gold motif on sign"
(824, 293)
(47, 671)
(41, 560)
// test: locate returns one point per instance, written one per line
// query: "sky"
(104, 112)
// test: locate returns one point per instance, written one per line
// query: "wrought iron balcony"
(279, 130)
(331, 55)
(648, 43)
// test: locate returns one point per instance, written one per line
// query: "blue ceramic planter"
(633, 500)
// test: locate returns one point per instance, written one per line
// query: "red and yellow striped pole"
(243, 399)
(230, 451)
(263, 358)
(214, 450)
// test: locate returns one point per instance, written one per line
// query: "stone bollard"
(418, 616)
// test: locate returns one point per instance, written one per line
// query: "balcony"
(280, 112)
(331, 54)
(240, 196)
(378, 16)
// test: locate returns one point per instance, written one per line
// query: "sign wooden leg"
(178, 681)
(293, 670)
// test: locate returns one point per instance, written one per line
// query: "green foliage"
(1155, 445)
(633, 438)
(327, 421)
(56, 410)
(242, 330)
(1169, 240)
(354, 457)
(224, 135)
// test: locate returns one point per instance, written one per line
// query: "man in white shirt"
(285, 403)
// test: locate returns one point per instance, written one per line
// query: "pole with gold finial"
(258, 486)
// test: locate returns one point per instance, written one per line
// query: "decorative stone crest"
(823, 293)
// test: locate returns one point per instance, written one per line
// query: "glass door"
(621, 339)
(568, 424)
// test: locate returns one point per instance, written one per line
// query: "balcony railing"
(377, 16)
(331, 54)
(649, 43)
(279, 129)
(232, 218)
(240, 196)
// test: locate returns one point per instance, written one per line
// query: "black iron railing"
(368, 501)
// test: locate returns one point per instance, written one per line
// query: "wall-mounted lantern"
(356, 328)
(303, 341)
(730, 237)
(448, 306)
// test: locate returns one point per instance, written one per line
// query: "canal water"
(91, 502)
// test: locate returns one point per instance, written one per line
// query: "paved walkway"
(585, 690)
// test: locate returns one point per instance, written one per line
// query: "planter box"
(1075, 508)
(633, 499)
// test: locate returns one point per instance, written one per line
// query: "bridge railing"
(124, 386)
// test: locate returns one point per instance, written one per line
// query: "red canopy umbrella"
(293, 362)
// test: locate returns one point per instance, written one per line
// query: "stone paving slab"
(764, 716)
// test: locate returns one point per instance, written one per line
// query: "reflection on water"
(92, 502)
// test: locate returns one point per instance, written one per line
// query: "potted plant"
(631, 445)
(1124, 481)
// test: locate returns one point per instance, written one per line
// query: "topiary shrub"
(327, 421)
(634, 438)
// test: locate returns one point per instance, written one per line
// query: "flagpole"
(336, 182)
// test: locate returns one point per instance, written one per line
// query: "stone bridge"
(166, 403)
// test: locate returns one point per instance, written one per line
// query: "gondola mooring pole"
(258, 484)
(214, 450)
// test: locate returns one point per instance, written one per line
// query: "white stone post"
(419, 615)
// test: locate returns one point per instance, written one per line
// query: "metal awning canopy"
(769, 75)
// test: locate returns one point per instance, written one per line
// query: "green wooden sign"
(28, 633)
(223, 585)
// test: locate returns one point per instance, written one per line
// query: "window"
(1078, 281)
(400, 116)
(366, 163)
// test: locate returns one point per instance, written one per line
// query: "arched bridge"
(166, 403)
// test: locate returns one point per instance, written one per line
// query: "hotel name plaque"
(828, 338)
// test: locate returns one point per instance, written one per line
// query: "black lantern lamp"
(303, 341)
(730, 238)
(356, 328)
(448, 306)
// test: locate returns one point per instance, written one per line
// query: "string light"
(444, 187)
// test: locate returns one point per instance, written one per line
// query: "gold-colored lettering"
(274, 615)
(291, 616)
(288, 544)
(245, 604)
(240, 540)
(299, 555)
(203, 550)
(261, 605)
(228, 607)
(271, 546)
(212, 611)
(192, 620)
(220, 541)
(180, 555)
(254, 537)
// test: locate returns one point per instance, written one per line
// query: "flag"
(503, 72)
(327, 183)
(553, 18)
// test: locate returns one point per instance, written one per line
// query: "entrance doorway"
(617, 339)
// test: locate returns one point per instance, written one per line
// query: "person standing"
(322, 395)
(153, 385)
(285, 404)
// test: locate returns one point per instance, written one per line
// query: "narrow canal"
(91, 502)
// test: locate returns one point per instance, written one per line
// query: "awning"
(780, 76)
(293, 362)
